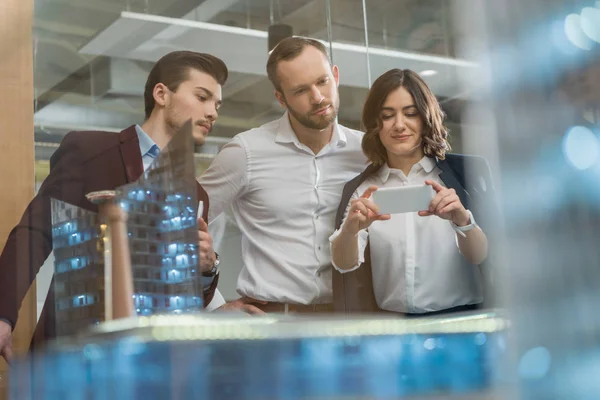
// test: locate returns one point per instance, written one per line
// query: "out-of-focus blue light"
(480, 339)
(93, 352)
(581, 147)
(124, 205)
(429, 344)
(590, 23)
(535, 363)
(559, 37)
(575, 33)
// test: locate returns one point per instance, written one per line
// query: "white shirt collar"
(285, 133)
(145, 140)
(426, 163)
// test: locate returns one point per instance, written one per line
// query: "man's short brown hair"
(173, 69)
(434, 135)
(288, 49)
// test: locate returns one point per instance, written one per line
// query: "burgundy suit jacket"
(84, 162)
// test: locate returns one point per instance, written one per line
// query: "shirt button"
(317, 216)
(319, 247)
(318, 274)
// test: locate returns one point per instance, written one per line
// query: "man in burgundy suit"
(181, 86)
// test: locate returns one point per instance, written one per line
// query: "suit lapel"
(130, 153)
(448, 176)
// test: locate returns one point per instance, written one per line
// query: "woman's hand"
(446, 205)
(363, 212)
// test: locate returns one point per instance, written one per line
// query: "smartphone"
(403, 199)
(200, 208)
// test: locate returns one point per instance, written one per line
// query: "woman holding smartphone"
(421, 263)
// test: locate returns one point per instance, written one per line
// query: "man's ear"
(280, 98)
(336, 75)
(161, 94)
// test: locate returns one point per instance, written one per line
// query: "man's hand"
(244, 304)
(207, 253)
(6, 342)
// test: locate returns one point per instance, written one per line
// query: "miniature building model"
(78, 238)
(161, 209)
(163, 231)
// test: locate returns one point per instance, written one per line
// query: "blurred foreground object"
(220, 356)
(538, 107)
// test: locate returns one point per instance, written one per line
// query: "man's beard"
(175, 123)
(313, 121)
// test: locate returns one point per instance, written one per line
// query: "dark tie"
(153, 152)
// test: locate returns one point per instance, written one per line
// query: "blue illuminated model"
(163, 239)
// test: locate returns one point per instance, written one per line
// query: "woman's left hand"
(446, 205)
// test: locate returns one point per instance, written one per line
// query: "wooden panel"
(16, 140)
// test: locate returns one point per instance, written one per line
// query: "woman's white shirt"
(415, 261)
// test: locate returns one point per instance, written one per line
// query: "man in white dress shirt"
(284, 181)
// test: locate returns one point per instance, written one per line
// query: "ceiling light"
(428, 72)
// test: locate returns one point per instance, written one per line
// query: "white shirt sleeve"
(363, 237)
(216, 302)
(226, 178)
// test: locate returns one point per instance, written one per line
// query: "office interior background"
(518, 80)
(91, 60)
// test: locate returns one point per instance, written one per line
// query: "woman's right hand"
(363, 212)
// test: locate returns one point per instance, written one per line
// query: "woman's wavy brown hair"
(435, 134)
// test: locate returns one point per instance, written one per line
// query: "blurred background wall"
(16, 141)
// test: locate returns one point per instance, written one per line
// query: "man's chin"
(316, 122)
(324, 122)
(321, 121)
(199, 137)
